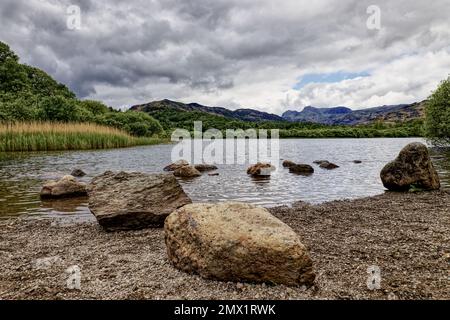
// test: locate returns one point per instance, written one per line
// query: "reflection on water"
(22, 175)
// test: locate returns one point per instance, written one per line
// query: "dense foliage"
(437, 122)
(30, 94)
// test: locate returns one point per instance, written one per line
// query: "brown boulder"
(66, 187)
(260, 169)
(124, 201)
(328, 165)
(176, 165)
(205, 167)
(304, 169)
(236, 242)
(186, 172)
(412, 168)
(288, 163)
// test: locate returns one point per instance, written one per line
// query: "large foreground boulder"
(123, 201)
(66, 187)
(236, 242)
(412, 168)
(261, 169)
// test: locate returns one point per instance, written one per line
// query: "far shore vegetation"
(38, 113)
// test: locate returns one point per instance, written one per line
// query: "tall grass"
(50, 136)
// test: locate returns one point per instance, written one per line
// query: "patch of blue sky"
(327, 78)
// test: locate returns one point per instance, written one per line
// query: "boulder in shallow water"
(236, 242)
(205, 167)
(411, 168)
(328, 165)
(124, 201)
(176, 165)
(66, 187)
(187, 172)
(303, 169)
(77, 173)
(261, 169)
(288, 163)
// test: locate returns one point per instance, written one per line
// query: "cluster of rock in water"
(227, 241)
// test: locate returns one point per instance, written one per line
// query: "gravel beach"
(406, 235)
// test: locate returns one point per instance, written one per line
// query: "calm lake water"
(22, 175)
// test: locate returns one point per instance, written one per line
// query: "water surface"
(22, 175)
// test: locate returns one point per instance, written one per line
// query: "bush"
(58, 108)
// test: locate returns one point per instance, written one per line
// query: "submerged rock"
(66, 187)
(236, 242)
(304, 169)
(261, 169)
(205, 167)
(123, 201)
(411, 169)
(187, 172)
(176, 165)
(77, 173)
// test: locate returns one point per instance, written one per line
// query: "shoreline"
(406, 234)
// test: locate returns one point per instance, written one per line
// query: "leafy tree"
(437, 124)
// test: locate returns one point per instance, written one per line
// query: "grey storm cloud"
(237, 53)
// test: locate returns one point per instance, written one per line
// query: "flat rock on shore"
(123, 201)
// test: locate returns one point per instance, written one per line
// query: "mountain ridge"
(339, 115)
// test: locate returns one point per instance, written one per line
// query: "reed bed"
(50, 136)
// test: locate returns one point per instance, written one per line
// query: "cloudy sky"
(265, 54)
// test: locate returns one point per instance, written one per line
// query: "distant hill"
(239, 114)
(346, 116)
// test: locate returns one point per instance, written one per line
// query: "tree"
(437, 123)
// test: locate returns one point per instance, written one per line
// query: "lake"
(22, 175)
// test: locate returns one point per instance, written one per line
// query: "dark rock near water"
(328, 165)
(124, 201)
(187, 172)
(205, 167)
(66, 187)
(288, 163)
(412, 168)
(176, 165)
(303, 169)
(260, 169)
(77, 173)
